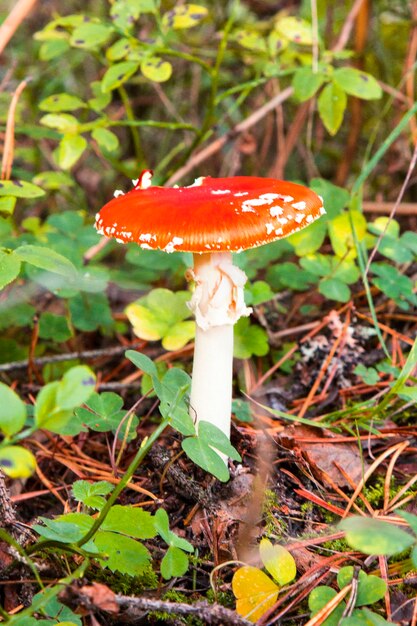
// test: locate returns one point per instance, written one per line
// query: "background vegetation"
(115, 492)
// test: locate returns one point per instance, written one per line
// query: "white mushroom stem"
(217, 304)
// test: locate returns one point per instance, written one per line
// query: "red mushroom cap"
(214, 214)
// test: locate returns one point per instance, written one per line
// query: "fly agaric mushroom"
(211, 218)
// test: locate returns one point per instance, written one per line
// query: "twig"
(189, 488)
(394, 208)
(404, 208)
(8, 149)
(347, 27)
(7, 512)
(68, 356)
(12, 22)
(99, 597)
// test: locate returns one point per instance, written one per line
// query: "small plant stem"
(134, 131)
(140, 455)
(185, 56)
(207, 123)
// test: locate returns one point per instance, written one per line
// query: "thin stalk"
(134, 131)
(206, 130)
(140, 455)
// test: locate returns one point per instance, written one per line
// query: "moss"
(177, 597)
(126, 585)
(224, 598)
(273, 525)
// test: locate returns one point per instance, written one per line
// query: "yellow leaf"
(278, 561)
(341, 235)
(255, 592)
(144, 322)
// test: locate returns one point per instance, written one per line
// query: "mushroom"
(211, 218)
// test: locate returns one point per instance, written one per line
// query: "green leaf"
(174, 563)
(249, 339)
(309, 239)
(369, 375)
(393, 284)
(70, 150)
(12, 411)
(306, 83)
(76, 387)
(54, 609)
(184, 16)
(334, 289)
(213, 436)
(372, 536)
(46, 259)
(131, 521)
(17, 462)
(118, 74)
(7, 205)
(56, 401)
(125, 12)
(64, 122)
(258, 292)
(365, 617)
(174, 400)
(409, 240)
(100, 100)
(370, 588)
(241, 409)
(103, 412)
(47, 414)
(162, 527)
(107, 141)
(331, 105)
(57, 530)
(335, 198)
(124, 555)
(61, 102)
(413, 556)
(90, 35)
(318, 598)
(54, 327)
(147, 366)
(90, 312)
(9, 267)
(52, 49)
(357, 83)
(91, 494)
(53, 180)
(251, 40)
(410, 519)
(20, 189)
(204, 456)
(278, 562)
(142, 362)
(156, 69)
(385, 225)
(295, 29)
(289, 275)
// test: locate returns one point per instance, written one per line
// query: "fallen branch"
(68, 356)
(99, 597)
